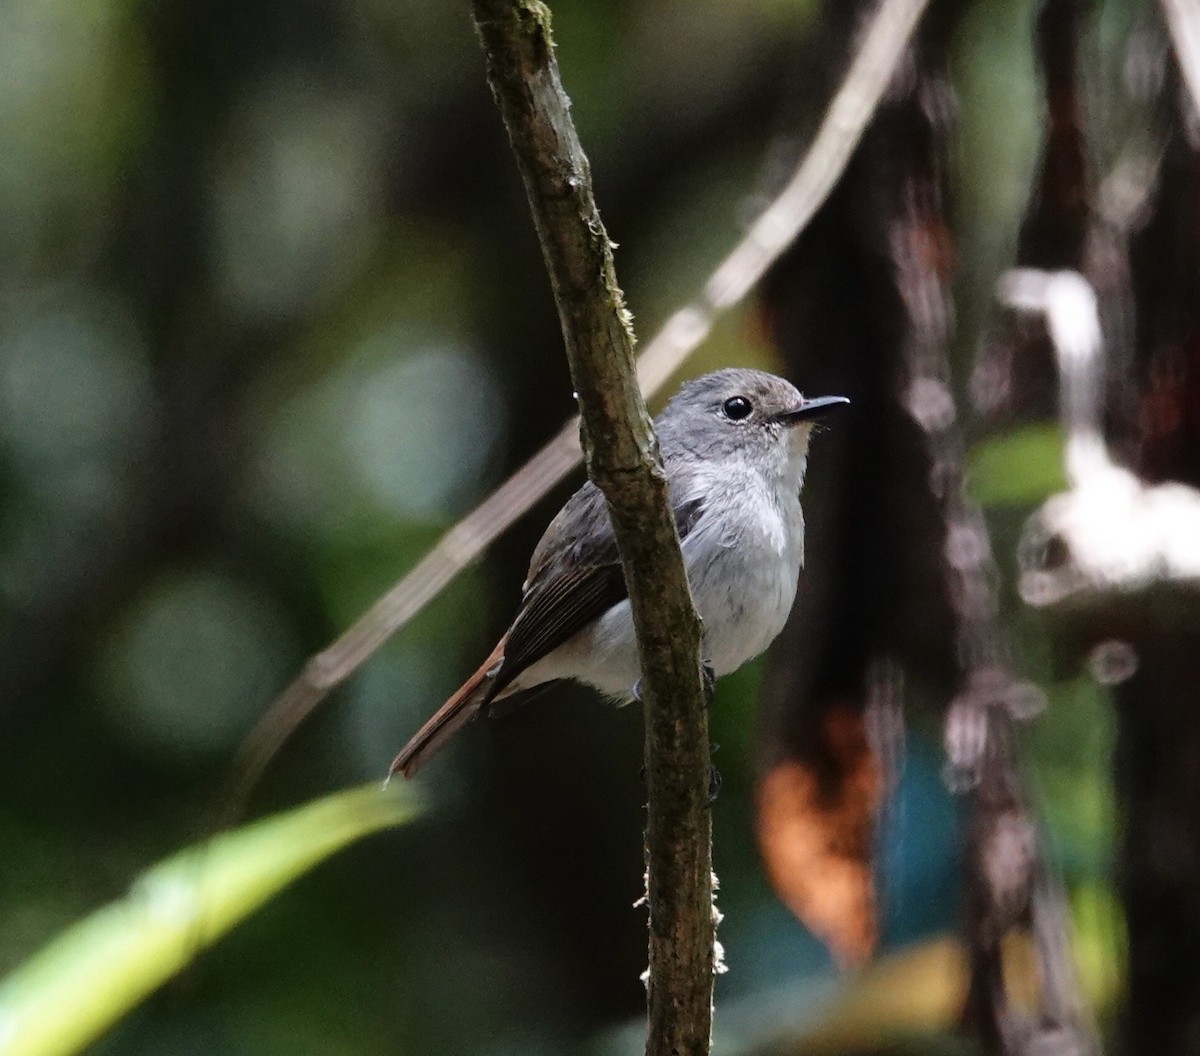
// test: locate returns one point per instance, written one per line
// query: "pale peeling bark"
(623, 460)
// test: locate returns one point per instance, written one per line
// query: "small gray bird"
(734, 446)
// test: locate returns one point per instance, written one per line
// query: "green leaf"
(1020, 468)
(76, 987)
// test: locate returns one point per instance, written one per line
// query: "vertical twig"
(1010, 890)
(622, 459)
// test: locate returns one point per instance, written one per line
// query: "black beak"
(812, 409)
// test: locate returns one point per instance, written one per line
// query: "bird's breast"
(743, 568)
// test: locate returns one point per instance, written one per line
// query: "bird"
(734, 446)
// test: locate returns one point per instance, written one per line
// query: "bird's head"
(740, 415)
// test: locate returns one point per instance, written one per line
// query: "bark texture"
(623, 460)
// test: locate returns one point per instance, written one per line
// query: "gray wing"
(574, 578)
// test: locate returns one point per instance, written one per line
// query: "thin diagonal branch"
(623, 461)
(882, 45)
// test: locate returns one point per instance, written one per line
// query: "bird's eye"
(737, 408)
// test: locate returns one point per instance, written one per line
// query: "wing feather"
(574, 578)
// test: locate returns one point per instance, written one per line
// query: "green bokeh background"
(272, 316)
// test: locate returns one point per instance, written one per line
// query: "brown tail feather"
(463, 707)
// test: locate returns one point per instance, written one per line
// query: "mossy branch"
(622, 458)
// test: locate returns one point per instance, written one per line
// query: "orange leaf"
(817, 834)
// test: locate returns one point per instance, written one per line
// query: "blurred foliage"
(1018, 468)
(97, 970)
(271, 316)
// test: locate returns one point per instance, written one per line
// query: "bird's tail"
(466, 705)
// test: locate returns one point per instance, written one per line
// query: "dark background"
(273, 315)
